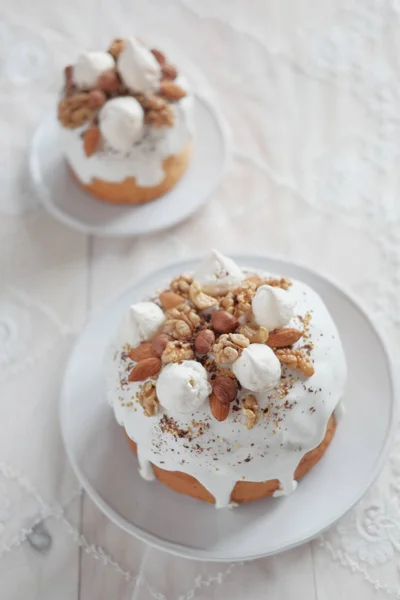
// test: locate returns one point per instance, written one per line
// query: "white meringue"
(257, 369)
(218, 274)
(141, 323)
(89, 67)
(183, 387)
(138, 68)
(121, 122)
(272, 307)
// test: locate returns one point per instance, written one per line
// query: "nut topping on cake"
(148, 398)
(201, 300)
(250, 411)
(177, 351)
(284, 337)
(144, 369)
(225, 388)
(170, 299)
(219, 409)
(127, 69)
(296, 359)
(229, 347)
(204, 341)
(220, 333)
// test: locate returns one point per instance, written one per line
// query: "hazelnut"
(169, 71)
(225, 388)
(96, 99)
(223, 322)
(109, 82)
(204, 341)
(160, 342)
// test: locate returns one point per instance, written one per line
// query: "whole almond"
(68, 71)
(171, 91)
(204, 341)
(219, 410)
(159, 56)
(223, 322)
(144, 369)
(225, 388)
(283, 337)
(170, 299)
(169, 71)
(143, 351)
(109, 82)
(91, 140)
(96, 99)
(159, 343)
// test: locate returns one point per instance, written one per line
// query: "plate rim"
(44, 197)
(196, 554)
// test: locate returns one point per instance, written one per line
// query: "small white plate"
(69, 203)
(170, 521)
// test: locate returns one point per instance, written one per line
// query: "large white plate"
(68, 202)
(107, 468)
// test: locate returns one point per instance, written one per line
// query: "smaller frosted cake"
(227, 382)
(126, 122)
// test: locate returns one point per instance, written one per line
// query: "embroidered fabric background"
(311, 93)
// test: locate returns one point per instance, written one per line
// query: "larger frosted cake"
(227, 382)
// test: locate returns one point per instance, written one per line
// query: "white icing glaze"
(145, 466)
(228, 451)
(144, 160)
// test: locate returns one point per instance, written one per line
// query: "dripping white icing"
(230, 452)
(340, 411)
(145, 466)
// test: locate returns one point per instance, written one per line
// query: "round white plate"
(68, 202)
(108, 471)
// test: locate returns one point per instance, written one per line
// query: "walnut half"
(229, 347)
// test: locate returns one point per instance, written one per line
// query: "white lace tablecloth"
(311, 93)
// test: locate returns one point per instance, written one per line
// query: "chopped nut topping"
(181, 284)
(116, 47)
(254, 333)
(74, 110)
(201, 300)
(160, 118)
(284, 283)
(250, 410)
(148, 399)
(296, 359)
(181, 322)
(238, 302)
(176, 352)
(229, 347)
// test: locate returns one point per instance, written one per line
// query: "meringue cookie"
(272, 307)
(89, 68)
(218, 274)
(138, 68)
(183, 387)
(257, 369)
(121, 122)
(141, 323)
